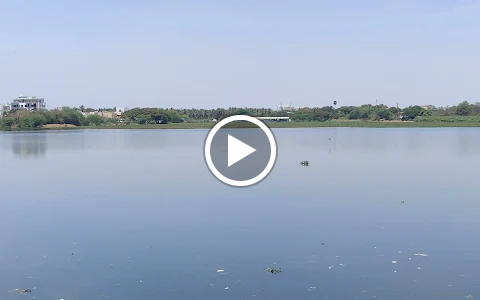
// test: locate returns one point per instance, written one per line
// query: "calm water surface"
(113, 214)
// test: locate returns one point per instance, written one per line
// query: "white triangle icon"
(237, 150)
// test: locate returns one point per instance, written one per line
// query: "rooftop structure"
(29, 103)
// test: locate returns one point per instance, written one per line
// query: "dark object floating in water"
(324, 243)
(304, 163)
(273, 270)
(22, 291)
(403, 201)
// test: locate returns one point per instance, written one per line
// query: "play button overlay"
(240, 151)
(237, 150)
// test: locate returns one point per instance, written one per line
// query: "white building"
(286, 107)
(29, 103)
(58, 108)
(4, 108)
(120, 110)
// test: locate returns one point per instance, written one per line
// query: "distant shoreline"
(326, 124)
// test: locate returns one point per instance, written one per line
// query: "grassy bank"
(355, 124)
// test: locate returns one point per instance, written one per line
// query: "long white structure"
(278, 119)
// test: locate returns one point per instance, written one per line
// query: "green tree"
(7, 122)
(384, 114)
(354, 114)
(144, 119)
(94, 120)
(394, 110)
(412, 112)
(321, 116)
(463, 109)
(242, 111)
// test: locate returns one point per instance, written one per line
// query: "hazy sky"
(255, 53)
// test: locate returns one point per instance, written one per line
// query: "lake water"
(113, 214)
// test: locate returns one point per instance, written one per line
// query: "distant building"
(58, 108)
(427, 107)
(4, 108)
(120, 110)
(28, 103)
(107, 114)
(286, 107)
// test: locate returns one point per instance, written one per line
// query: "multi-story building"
(28, 103)
(4, 108)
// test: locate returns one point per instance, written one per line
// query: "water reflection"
(26, 146)
(463, 141)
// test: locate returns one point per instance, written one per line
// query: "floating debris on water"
(421, 254)
(394, 261)
(304, 163)
(22, 291)
(324, 243)
(341, 265)
(226, 288)
(311, 288)
(330, 267)
(274, 270)
(220, 270)
(469, 297)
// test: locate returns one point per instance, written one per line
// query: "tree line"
(82, 116)
(23, 119)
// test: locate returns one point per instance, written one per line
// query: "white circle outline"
(248, 182)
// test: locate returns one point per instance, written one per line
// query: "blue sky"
(207, 54)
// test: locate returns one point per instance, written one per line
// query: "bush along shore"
(462, 115)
